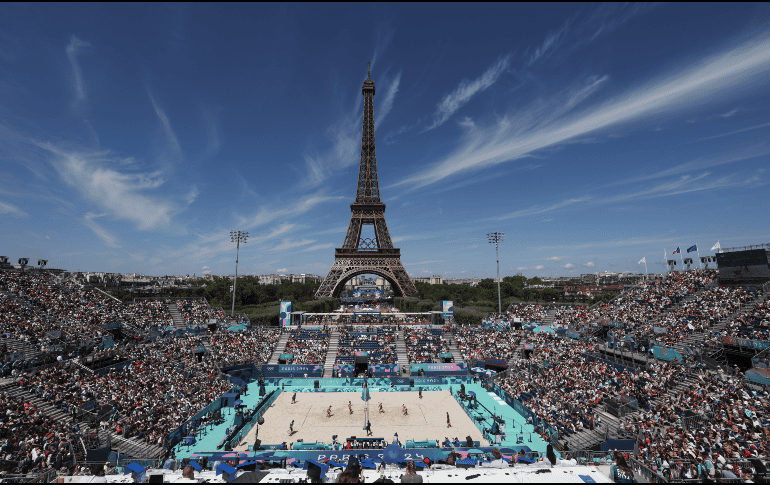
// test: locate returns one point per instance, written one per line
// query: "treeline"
(511, 288)
(249, 292)
(261, 302)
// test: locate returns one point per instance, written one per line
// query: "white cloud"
(10, 209)
(300, 206)
(286, 244)
(590, 264)
(103, 234)
(173, 150)
(569, 265)
(123, 195)
(539, 267)
(729, 114)
(77, 75)
(280, 270)
(553, 258)
(205, 267)
(387, 103)
(466, 90)
(319, 246)
(534, 210)
(520, 134)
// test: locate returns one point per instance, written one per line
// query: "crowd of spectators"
(307, 346)
(380, 345)
(232, 348)
(640, 305)
(563, 387)
(31, 441)
(424, 346)
(530, 312)
(753, 325)
(480, 344)
(198, 312)
(158, 387)
(710, 430)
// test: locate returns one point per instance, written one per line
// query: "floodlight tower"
(497, 238)
(237, 237)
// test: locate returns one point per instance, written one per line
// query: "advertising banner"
(496, 362)
(285, 311)
(754, 344)
(380, 370)
(425, 381)
(273, 370)
(460, 368)
(448, 308)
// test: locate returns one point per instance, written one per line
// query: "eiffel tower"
(359, 255)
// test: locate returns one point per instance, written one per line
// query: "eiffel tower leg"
(326, 290)
(404, 281)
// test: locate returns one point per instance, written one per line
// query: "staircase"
(698, 337)
(27, 350)
(457, 356)
(176, 314)
(401, 356)
(125, 446)
(281, 346)
(331, 353)
(549, 317)
(516, 354)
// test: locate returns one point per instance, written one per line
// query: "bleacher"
(379, 346)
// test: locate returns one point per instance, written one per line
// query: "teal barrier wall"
(664, 353)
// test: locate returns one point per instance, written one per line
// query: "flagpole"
(665, 257)
(681, 258)
(645, 267)
(697, 251)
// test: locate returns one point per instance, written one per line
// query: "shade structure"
(543, 329)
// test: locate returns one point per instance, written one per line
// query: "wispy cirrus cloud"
(741, 154)
(387, 103)
(466, 90)
(343, 147)
(318, 246)
(10, 209)
(288, 244)
(172, 152)
(267, 214)
(78, 84)
(102, 233)
(515, 136)
(123, 195)
(541, 209)
(581, 29)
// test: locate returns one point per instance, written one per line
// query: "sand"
(426, 419)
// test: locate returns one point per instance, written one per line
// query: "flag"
(692, 248)
(677, 251)
(643, 260)
(716, 247)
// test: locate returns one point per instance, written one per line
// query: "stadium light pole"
(237, 237)
(497, 238)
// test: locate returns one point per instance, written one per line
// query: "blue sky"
(133, 138)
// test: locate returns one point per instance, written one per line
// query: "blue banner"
(273, 370)
(460, 368)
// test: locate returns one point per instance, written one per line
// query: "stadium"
(672, 373)
(666, 379)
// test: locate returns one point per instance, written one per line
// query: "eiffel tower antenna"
(359, 255)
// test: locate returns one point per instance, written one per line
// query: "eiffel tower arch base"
(344, 270)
